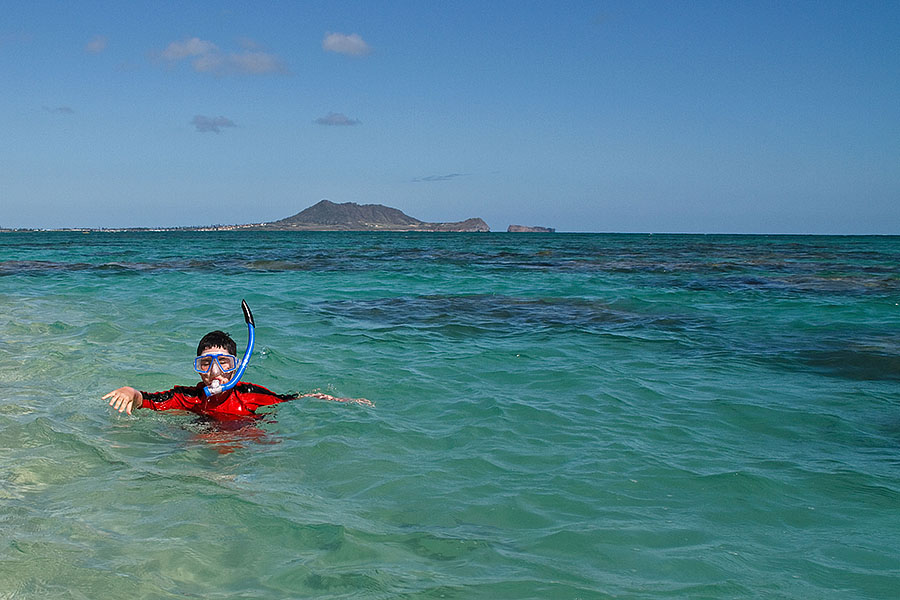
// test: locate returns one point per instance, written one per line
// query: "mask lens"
(227, 362)
(202, 364)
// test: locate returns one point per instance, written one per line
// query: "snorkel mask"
(226, 360)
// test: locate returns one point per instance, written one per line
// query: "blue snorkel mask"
(218, 388)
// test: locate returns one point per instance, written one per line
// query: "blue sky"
(767, 117)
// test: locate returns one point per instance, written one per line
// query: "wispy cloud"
(432, 178)
(351, 45)
(333, 118)
(59, 110)
(206, 57)
(255, 62)
(187, 48)
(15, 38)
(248, 44)
(96, 45)
(211, 124)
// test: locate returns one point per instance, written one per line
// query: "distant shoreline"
(89, 230)
(214, 229)
(326, 215)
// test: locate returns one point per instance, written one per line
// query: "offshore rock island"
(529, 229)
(350, 216)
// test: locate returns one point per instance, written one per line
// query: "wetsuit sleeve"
(179, 397)
(253, 396)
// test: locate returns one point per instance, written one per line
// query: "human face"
(215, 373)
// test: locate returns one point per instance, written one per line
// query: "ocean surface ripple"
(556, 416)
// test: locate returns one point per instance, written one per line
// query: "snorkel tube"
(218, 388)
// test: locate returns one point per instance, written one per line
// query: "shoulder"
(245, 388)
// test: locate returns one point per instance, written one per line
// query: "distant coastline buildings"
(329, 216)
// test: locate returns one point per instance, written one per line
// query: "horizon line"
(251, 229)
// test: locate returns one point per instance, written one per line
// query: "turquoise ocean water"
(557, 416)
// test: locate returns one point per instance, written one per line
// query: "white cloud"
(15, 38)
(192, 47)
(336, 119)
(96, 45)
(248, 44)
(209, 63)
(256, 63)
(206, 57)
(351, 45)
(213, 124)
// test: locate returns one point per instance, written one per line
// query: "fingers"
(120, 401)
(321, 396)
(117, 402)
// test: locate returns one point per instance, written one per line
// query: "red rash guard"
(240, 402)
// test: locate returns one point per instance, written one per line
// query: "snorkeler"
(220, 393)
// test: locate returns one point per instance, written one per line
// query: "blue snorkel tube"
(216, 387)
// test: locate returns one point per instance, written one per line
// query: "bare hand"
(124, 399)
(321, 396)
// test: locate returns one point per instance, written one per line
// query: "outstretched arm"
(124, 399)
(321, 396)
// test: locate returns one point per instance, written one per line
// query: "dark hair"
(217, 339)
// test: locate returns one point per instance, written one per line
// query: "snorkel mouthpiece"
(218, 388)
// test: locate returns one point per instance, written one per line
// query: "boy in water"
(216, 362)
